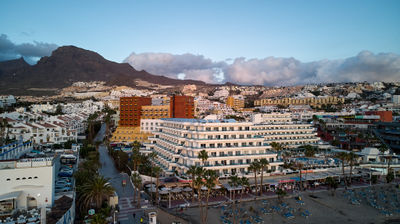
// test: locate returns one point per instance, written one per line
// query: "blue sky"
(267, 42)
(306, 30)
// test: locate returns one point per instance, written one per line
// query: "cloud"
(271, 71)
(171, 65)
(30, 51)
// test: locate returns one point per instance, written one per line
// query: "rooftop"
(187, 120)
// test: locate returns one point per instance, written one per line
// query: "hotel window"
(226, 137)
(210, 137)
(221, 153)
(228, 145)
(223, 128)
(212, 145)
(271, 160)
(241, 136)
(216, 129)
(240, 161)
(248, 161)
(232, 162)
(213, 154)
(236, 144)
(243, 144)
(233, 136)
(219, 145)
(230, 153)
(237, 153)
(231, 128)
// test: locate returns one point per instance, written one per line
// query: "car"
(66, 179)
(62, 189)
(63, 183)
(65, 174)
(66, 168)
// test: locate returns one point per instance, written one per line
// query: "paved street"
(125, 194)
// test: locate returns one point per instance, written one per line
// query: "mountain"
(12, 66)
(69, 64)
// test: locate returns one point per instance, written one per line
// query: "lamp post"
(115, 221)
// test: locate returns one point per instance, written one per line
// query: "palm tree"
(192, 171)
(91, 119)
(263, 164)
(157, 171)
(255, 166)
(98, 219)
(332, 184)
(351, 158)
(203, 156)
(137, 182)
(244, 182)
(343, 157)
(300, 166)
(137, 157)
(95, 190)
(234, 183)
(211, 177)
(383, 148)
(198, 183)
(276, 146)
(3, 126)
(151, 157)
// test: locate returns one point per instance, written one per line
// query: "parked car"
(66, 179)
(65, 174)
(63, 183)
(62, 189)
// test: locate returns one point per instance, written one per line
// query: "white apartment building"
(26, 183)
(279, 128)
(231, 146)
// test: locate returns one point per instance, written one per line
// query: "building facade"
(231, 146)
(130, 110)
(314, 101)
(236, 102)
(182, 106)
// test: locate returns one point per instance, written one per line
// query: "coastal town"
(222, 154)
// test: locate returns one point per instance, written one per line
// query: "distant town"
(217, 148)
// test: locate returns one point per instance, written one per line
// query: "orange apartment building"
(182, 106)
(131, 110)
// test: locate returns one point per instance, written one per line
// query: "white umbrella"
(216, 187)
(204, 188)
(165, 189)
(164, 192)
(176, 190)
(187, 189)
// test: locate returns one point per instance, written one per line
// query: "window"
(223, 128)
(238, 153)
(230, 153)
(8, 179)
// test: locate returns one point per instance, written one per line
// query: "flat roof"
(10, 195)
(199, 120)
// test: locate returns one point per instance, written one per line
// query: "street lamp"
(115, 221)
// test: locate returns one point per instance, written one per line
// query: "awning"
(11, 195)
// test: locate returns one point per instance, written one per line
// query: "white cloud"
(271, 71)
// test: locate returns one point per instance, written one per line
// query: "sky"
(251, 42)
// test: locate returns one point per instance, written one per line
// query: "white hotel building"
(279, 128)
(231, 146)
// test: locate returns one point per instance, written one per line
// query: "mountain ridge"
(69, 64)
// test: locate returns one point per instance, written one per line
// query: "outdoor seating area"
(23, 217)
(385, 200)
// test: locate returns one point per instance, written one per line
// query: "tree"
(309, 151)
(91, 120)
(234, 182)
(332, 183)
(137, 157)
(151, 157)
(95, 191)
(157, 171)
(351, 158)
(281, 194)
(198, 183)
(192, 171)
(3, 126)
(244, 182)
(276, 146)
(137, 182)
(203, 156)
(300, 166)
(211, 177)
(263, 164)
(254, 167)
(98, 219)
(343, 157)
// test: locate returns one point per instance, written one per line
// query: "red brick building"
(182, 106)
(385, 116)
(130, 110)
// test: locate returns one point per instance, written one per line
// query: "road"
(125, 194)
